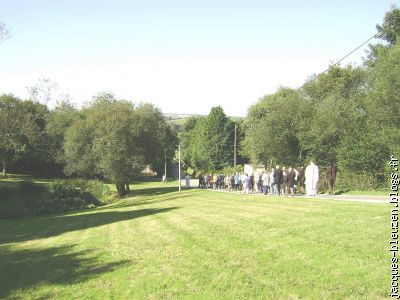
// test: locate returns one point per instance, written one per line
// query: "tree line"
(109, 138)
(347, 115)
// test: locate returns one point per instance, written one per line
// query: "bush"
(349, 180)
(73, 194)
(26, 198)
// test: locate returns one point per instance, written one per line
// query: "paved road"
(354, 198)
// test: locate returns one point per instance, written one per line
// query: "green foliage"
(346, 115)
(72, 194)
(26, 198)
(363, 152)
(232, 170)
(20, 126)
(185, 138)
(219, 139)
(116, 140)
(191, 171)
(389, 31)
(383, 100)
(351, 180)
(207, 142)
(273, 125)
(58, 121)
(337, 113)
(337, 82)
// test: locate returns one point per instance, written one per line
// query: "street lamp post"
(179, 172)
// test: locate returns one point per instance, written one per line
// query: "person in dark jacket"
(284, 181)
(278, 177)
(302, 179)
(251, 183)
(331, 176)
(290, 181)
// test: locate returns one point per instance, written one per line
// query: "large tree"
(116, 140)
(58, 121)
(337, 110)
(388, 32)
(383, 101)
(35, 158)
(273, 125)
(208, 141)
(19, 128)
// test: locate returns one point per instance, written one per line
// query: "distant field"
(179, 120)
(160, 244)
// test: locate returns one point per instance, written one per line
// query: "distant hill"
(178, 120)
(173, 117)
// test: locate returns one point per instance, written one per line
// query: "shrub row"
(348, 180)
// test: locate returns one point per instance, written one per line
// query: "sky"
(182, 56)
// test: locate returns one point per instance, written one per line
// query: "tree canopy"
(208, 141)
(117, 140)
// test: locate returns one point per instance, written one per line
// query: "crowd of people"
(277, 181)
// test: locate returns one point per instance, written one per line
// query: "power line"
(350, 53)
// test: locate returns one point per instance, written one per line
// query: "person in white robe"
(187, 181)
(312, 177)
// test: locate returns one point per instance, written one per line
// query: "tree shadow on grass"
(47, 226)
(24, 269)
(161, 198)
(154, 191)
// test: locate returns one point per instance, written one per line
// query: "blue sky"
(182, 56)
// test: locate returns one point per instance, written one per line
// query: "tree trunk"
(4, 168)
(121, 189)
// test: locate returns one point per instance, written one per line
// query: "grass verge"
(199, 244)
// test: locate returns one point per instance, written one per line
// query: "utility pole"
(179, 172)
(165, 166)
(234, 150)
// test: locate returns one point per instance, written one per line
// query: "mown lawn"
(160, 244)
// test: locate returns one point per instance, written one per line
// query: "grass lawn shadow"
(153, 191)
(27, 268)
(47, 226)
(160, 198)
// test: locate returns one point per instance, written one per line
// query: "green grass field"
(159, 244)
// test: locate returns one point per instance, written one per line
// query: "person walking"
(187, 181)
(284, 182)
(232, 183)
(331, 177)
(290, 180)
(312, 177)
(272, 182)
(237, 181)
(246, 184)
(278, 178)
(251, 183)
(266, 182)
(302, 179)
